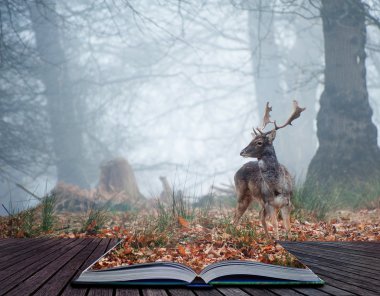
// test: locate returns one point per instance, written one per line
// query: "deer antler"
(266, 119)
(297, 110)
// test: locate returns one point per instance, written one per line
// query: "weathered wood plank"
(105, 291)
(18, 273)
(259, 291)
(356, 267)
(365, 245)
(356, 279)
(284, 291)
(34, 263)
(100, 292)
(334, 290)
(20, 244)
(340, 253)
(311, 292)
(98, 252)
(34, 282)
(27, 252)
(127, 292)
(154, 292)
(346, 265)
(205, 292)
(343, 283)
(180, 292)
(230, 291)
(357, 244)
(334, 263)
(62, 278)
(7, 241)
(362, 261)
(370, 251)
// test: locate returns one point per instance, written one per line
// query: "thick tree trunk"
(65, 128)
(348, 150)
(117, 176)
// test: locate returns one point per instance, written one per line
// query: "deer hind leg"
(243, 203)
(264, 222)
(285, 214)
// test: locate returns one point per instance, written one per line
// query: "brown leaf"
(181, 250)
(184, 223)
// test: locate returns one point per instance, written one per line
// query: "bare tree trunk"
(117, 176)
(266, 73)
(66, 131)
(348, 150)
(265, 57)
(302, 85)
(167, 192)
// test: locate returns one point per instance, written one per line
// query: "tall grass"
(21, 223)
(164, 216)
(363, 195)
(29, 222)
(95, 220)
(182, 205)
(310, 202)
(47, 215)
(318, 200)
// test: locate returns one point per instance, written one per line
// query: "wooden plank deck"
(46, 266)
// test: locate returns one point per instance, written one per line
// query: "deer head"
(262, 141)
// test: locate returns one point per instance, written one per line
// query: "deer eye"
(259, 143)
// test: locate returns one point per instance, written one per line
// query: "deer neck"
(268, 161)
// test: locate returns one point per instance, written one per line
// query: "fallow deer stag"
(265, 180)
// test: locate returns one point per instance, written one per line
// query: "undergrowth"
(47, 215)
(95, 220)
(309, 203)
(315, 200)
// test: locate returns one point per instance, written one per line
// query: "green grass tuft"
(95, 220)
(48, 219)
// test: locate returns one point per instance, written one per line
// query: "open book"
(229, 272)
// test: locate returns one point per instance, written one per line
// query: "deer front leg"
(264, 222)
(275, 223)
(270, 212)
(285, 214)
(243, 203)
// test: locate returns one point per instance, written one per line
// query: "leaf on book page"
(181, 250)
(127, 251)
(184, 223)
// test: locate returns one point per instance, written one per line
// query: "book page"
(196, 248)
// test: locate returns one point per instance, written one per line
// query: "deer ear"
(271, 136)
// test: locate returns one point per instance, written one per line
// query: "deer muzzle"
(244, 153)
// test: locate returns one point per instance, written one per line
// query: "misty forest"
(123, 118)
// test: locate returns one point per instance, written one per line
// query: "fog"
(174, 87)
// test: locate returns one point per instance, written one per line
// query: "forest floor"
(198, 237)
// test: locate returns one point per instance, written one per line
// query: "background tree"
(283, 67)
(348, 150)
(22, 120)
(65, 127)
